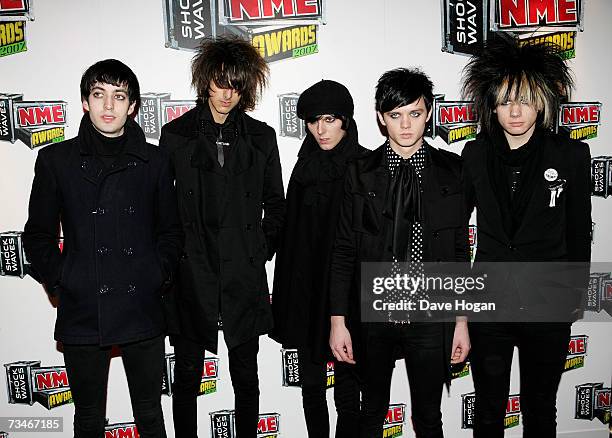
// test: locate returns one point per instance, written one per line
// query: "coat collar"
(135, 144)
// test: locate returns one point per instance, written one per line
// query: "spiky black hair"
(506, 70)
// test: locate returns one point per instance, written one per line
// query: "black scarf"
(403, 205)
(318, 166)
(500, 158)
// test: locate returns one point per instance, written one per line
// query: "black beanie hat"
(325, 97)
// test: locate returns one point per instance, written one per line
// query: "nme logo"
(394, 421)
(210, 370)
(579, 120)
(267, 423)
(13, 5)
(175, 111)
(29, 115)
(246, 10)
(579, 114)
(122, 430)
(531, 13)
(450, 114)
(51, 378)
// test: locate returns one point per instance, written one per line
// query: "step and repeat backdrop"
(46, 45)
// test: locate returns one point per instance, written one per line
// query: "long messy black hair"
(507, 70)
(230, 62)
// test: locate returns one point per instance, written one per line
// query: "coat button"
(251, 259)
(130, 210)
(103, 250)
(247, 194)
(128, 251)
(131, 288)
(190, 192)
(83, 165)
(444, 191)
(371, 194)
(435, 234)
(104, 289)
(248, 227)
(132, 164)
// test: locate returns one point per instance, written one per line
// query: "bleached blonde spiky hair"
(506, 71)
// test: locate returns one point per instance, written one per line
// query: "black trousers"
(542, 352)
(188, 368)
(422, 347)
(346, 396)
(87, 367)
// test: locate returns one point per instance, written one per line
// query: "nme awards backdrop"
(46, 45)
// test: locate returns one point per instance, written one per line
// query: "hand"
(461, 341)
(340, 340)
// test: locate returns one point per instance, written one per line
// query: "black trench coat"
(228, 238)
(122, 238)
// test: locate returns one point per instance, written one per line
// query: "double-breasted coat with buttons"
(122, 238)
(231, 216)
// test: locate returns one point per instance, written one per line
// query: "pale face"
(406, 127)
(221, 101)
(327, 131)
(518, 120)
(109, 107)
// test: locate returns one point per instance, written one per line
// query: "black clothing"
(421, 349)
(536, 225)
(313, 377)
(325, 97)
(543, 351)
(188, 370)
(364, 232)
(87, 368)
(105, 149)
(302, 269)
(122, 238)
(404, 204)
(227, 242)
(544, 232)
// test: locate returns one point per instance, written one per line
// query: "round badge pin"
(551, 174)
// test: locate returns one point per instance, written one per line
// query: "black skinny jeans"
(87, 367)
(314, 399)
(542, 352)
(421, 346)
(188, 368)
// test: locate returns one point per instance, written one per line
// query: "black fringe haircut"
(230, 62)
(114, 72)
(402, 86)
(505, 71)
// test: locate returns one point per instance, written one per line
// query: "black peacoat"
(231, 216)
(122, 238)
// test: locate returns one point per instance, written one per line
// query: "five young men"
(124, 207)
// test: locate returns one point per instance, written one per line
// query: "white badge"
(551, 174)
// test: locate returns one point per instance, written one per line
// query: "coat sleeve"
(462, 245)
(42, 230)
(273, 198)
(169, 234)
(344, 255)
(579, 206)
